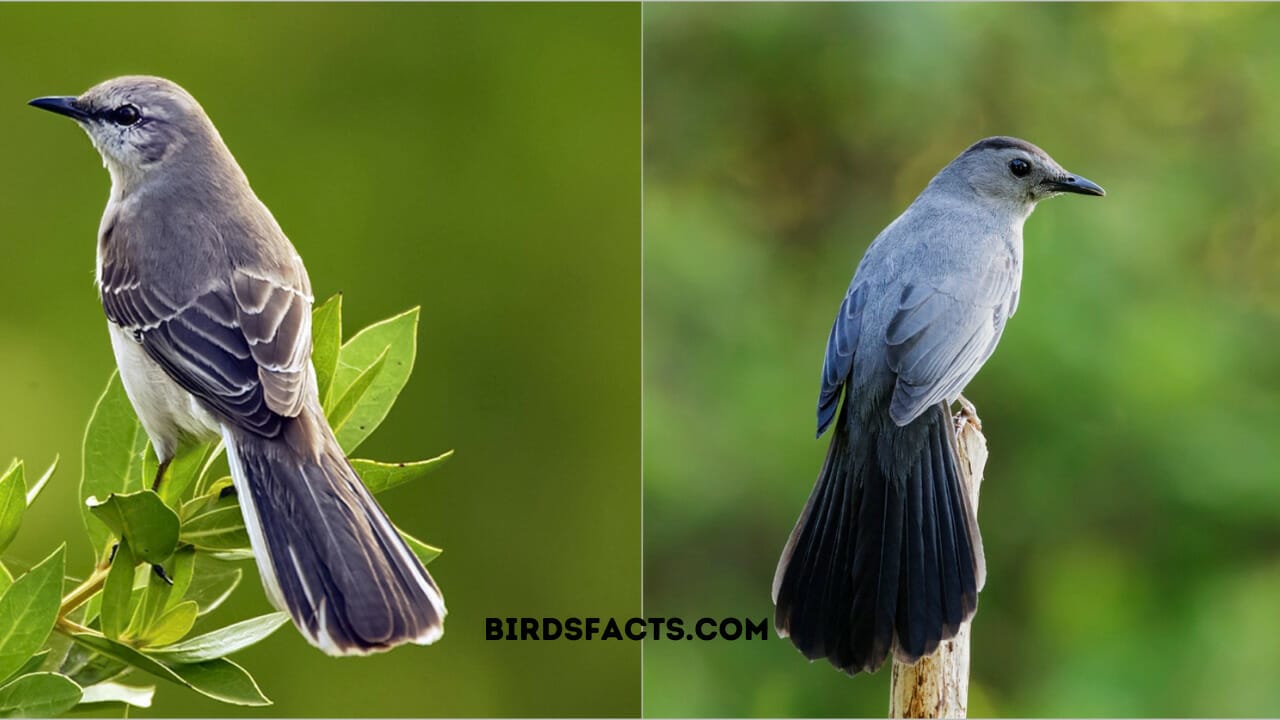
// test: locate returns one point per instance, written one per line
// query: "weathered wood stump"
(938, 685)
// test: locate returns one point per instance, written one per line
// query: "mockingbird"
(209, 311)
(886, 556)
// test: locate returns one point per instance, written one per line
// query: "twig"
(83, 591)
(938, 685)
(70, 627)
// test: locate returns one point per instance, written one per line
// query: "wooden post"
(938, 685)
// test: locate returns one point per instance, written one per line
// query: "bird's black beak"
(1074, 184)
(61, 104)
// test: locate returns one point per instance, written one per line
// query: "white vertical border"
(642, 356)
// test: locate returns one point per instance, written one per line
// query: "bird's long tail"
(886, 556)
(326, 552)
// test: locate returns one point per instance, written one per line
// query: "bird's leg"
(164, 465)
(968, 414)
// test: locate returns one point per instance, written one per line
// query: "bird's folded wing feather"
(275, 317)
(941, 334)
(242, 344)
(838, 362)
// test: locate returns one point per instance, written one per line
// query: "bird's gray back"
(203, 277)
(193, 218)
(926, 306)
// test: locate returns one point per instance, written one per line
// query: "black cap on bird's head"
(1014, 169)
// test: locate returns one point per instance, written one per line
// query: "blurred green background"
(1131, 510)
(481, 161)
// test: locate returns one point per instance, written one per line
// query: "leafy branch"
(164, 559)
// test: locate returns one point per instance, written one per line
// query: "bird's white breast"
(168, 413)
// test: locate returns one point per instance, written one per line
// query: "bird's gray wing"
(838, 362)
(943, 331)
(241, 344)
(275, 316)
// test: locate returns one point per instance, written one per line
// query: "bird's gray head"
(139, 123)
(1007, 170)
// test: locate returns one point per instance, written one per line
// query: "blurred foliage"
(1131, 510)
(479, 161)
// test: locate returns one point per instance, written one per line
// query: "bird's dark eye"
(1019, 167)
(125, 115)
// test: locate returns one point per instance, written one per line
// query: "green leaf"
(150, 608)
(114, 445)
(172, 626)
(426, 553)
(117, 592)
(212, 583)
(219, 679)
(143, 518)
(217, 486)
(220, 527)
(214, 467)
(28, 610)
(109, 692)
(206, 501)
(326, 341)
(234, 555)
(221, 642)
(13, 501)
(398, 338)
(35, 490)
(181, 568)
(347, 410)
(184, 470)
(148, 605)
(190, 508)
(88, 612)
(87, 667)
(379, 476)
(38, 695)
(5, 578)
(33, 664)
(150, 468)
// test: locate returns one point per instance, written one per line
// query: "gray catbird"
(209, 311)
(886, 556)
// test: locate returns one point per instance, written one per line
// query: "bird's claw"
(968, 415)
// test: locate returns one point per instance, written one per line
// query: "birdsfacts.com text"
(594, 628)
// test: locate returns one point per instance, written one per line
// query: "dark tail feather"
(881, 564)
(326, 552)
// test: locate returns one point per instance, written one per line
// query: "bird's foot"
(228, 491)
(968, 415)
